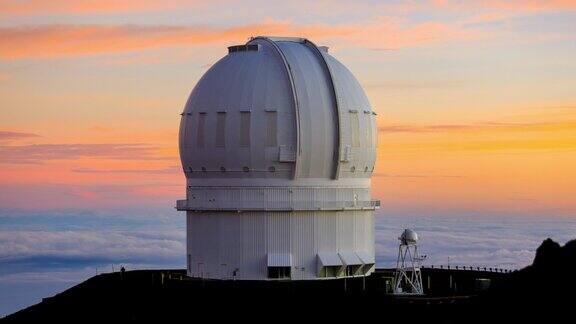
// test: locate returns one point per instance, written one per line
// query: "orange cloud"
(511, 166)
(89, 6)
(530, 5)
(517, 6)
(71, 40)
(497, 10)
(480, 127)
(18, 7)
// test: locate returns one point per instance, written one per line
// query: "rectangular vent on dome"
(355, 123)
(221, 129)
(200, 130)
(245, 129)
(368, 129)
(271, 129)
(243, 48)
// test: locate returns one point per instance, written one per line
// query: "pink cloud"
(7, 135)
(67, 195)
(529, 5)
(175, 169)
(19, 7)
(38, 153)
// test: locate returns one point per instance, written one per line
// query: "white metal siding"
(219, 243)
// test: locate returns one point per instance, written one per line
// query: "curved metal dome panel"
(317, 121)
(234, 98)
(359, 133)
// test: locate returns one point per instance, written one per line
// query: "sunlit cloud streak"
(390, 175)
(7, 135)
(16, 7)
(70, 195)
(39, 153)
(169, 170)
(482, 126)
(515, 5)
(35, 7)
(50, 41)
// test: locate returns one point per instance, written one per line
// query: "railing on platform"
(470, 268)
(213, 205)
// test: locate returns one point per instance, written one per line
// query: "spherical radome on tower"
(408, 274)
(409, 237)
(278, 144)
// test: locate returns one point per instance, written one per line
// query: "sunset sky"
(476, 104)
(476, 101)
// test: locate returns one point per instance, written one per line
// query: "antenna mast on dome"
(408, 277)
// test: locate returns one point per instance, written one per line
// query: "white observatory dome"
(277, 129)
(277, 109)
(409, 237)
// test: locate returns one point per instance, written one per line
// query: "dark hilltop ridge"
(541, 292)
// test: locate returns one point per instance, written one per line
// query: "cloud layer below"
(59, 249)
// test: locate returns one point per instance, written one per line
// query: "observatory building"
(278, 144)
